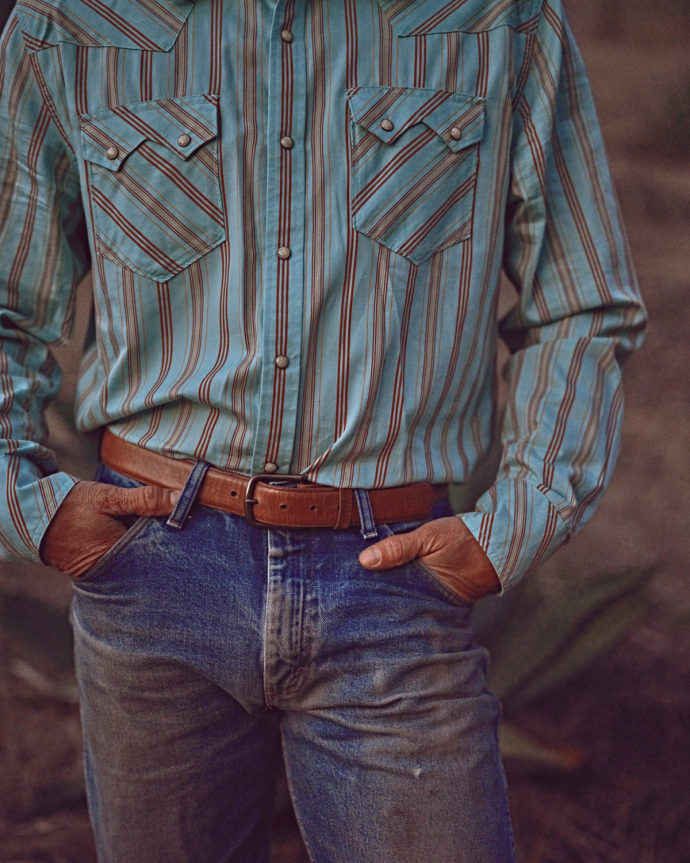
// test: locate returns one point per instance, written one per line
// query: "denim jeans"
(199, 650)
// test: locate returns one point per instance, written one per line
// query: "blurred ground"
(631, 713)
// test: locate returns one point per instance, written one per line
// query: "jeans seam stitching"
(295, 809)
(267, 617)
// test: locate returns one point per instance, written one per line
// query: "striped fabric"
(179, 208)
(344, 198)
(414, 192)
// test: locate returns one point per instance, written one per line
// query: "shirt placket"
(283, 280)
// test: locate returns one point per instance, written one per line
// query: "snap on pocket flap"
(181, 124)
(134, 24)
(387, 112)
(417, 17)
(459, 123)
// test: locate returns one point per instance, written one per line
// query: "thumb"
(392, 551)
(146, 500)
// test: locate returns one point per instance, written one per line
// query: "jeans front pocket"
(424, 571)
(154, 183)
(105, 561)
(414, 157)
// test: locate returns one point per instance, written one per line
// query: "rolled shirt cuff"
(31, 502)
(518, 528)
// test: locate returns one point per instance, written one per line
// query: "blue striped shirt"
(296, 215)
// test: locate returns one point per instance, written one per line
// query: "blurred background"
(592, 656)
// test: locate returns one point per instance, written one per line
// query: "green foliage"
(533, 756)
(536, 646)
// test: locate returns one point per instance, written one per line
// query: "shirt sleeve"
(44, 254)
(579, 313)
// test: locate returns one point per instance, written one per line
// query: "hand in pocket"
(446, 547)
(86, 525)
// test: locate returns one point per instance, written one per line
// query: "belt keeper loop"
(366, 514)
(189, 493)
(344, 509)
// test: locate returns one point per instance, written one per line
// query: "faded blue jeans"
(199, 650)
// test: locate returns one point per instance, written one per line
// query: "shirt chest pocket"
(154, 183)
(414, 166)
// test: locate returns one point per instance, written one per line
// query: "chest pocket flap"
(154, 183)
(456, 117)
(182, 125)
(413, 161)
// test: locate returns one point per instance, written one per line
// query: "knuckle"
(149, 495)
(97, 495)
(430, 539)
(110, 496)
(152, 496)
(395, 546)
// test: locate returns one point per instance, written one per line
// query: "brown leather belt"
(308, 505)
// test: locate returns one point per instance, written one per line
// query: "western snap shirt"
(296, 214)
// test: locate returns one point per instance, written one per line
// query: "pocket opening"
(113, 551)
(446, 591)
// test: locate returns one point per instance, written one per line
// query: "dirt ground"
(630, 714)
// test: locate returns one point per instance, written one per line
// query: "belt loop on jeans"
(188, 496)
(366, 514)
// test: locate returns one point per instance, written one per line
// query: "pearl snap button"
(284, 253)
(269, 467)
(286, 36)
(282, 362)
(184, 140)
(455, 133)
(112, 152)
(287, 143)
(387, 125)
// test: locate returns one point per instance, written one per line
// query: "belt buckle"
(250, 502)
